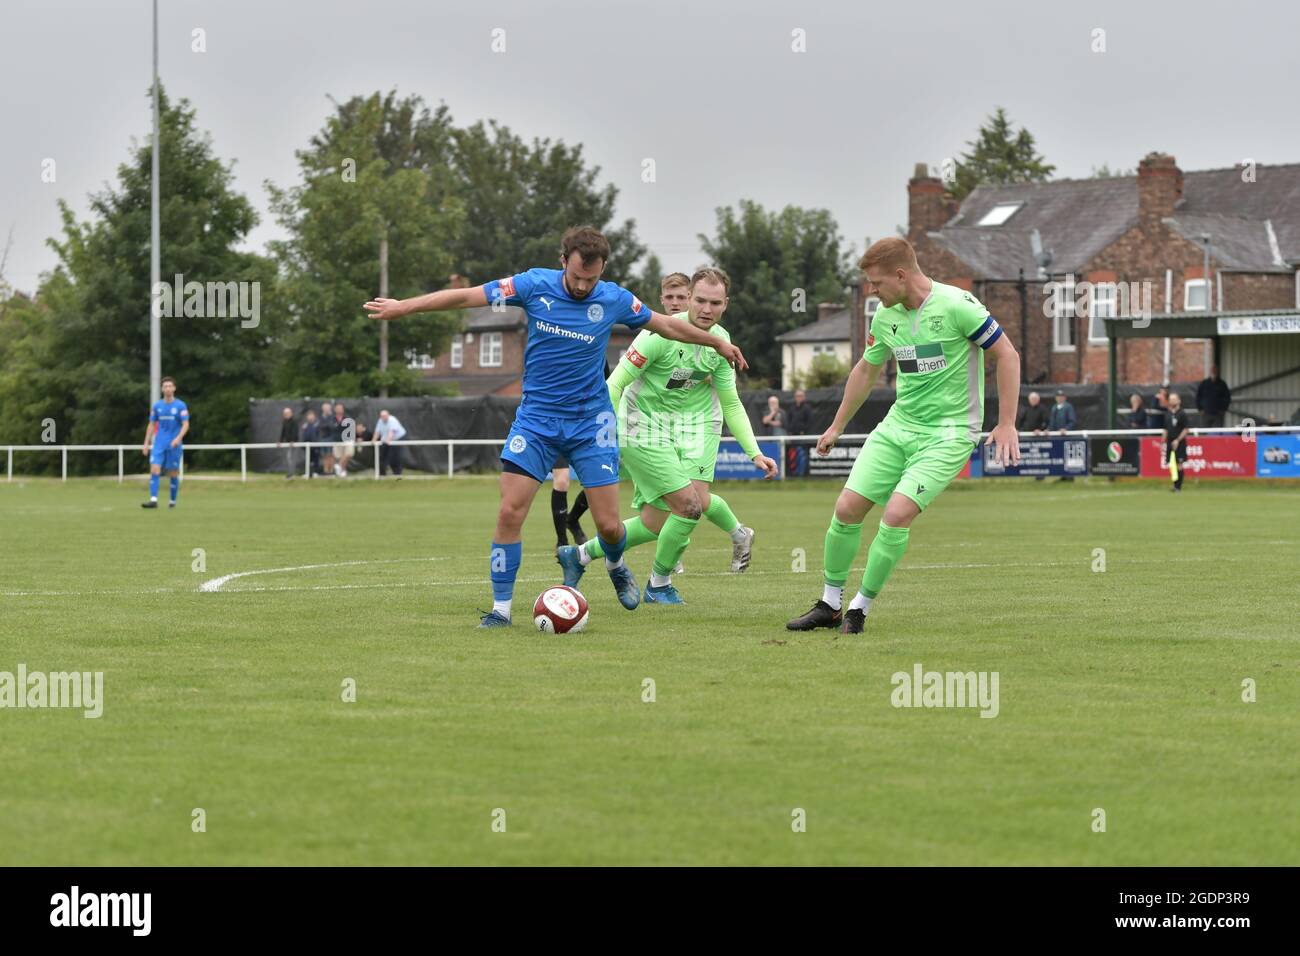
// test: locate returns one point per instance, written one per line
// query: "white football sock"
(583, 557)
(613, 565)
(659, 580)
(503, 608)
(860, 602)
(832, 596)
(739, 534)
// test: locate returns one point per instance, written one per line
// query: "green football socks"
(637, 533)
(842, 542)
(883, 555)
(720, 513)
(673, 540)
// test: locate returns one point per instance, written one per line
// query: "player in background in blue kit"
(169, 420)
(565, 408)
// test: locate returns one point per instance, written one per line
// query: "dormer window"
(1000, 213)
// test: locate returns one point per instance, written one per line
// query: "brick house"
(487, 356)
(1017, 247)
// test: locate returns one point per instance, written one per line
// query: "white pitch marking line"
(216, 584)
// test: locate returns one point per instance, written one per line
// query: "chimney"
(827, 309)
(1160, 186)
(928, 204)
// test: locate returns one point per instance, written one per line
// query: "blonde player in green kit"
(938, 335)
(672, 403)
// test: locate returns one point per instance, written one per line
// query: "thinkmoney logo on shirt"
(920, 358)
(566, 333)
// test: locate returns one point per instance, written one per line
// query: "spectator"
(1213, 398)
(325, 433)
(345, 433)
(796, 454)
(310, 433)
(288, 434)
(388, 430)
(1137, 415)
(1062, 418)
(775, 417)
(1176, 425)
(1033, 417)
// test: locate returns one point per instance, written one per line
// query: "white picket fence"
(451, 443)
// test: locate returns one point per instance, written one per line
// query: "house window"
(418, 360)
(1195, 295)
(999, 214)
(457, 351)
(489, 350)
(823, 349)
(1062, 305)
(873, 303)
(1101, 305)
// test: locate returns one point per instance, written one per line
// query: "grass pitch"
(1119, 689)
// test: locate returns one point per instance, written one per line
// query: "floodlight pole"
(155, 264)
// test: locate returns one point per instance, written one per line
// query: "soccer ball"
(560, 610)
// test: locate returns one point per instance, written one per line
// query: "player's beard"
(574, 294)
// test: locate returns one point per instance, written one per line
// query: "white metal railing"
(451, 443)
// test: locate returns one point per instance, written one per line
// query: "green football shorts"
(660, 468)
(896, 458)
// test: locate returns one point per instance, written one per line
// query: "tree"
(521, 198)
(649, 284)
(377, 172)
(80, 351)
(781, 264)
(826, 371)
(1000, 156)
(1105, 172)
(477, 201)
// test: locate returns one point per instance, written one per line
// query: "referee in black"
(1176, 426)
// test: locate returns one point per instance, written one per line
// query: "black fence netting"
(489, 417)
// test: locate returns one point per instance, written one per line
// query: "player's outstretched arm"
(671, 328)
(860, 382)
(733, 413)
(1004, 437)
(440, 301)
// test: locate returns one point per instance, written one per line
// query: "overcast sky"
(710, 89)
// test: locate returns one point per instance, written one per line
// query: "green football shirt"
(678, 383)
(938, 347)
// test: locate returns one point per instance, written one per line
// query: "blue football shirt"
(169, 416)
(564, 360)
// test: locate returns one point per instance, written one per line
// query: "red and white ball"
(560, 610)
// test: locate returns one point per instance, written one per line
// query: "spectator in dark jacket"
(1033, 417)
(288, 435)
(1137, 414)
(1213, 398)
(799, 420)
(1062, 417)
(310, 430)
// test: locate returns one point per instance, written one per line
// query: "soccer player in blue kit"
(565, 408)
(169, 420)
